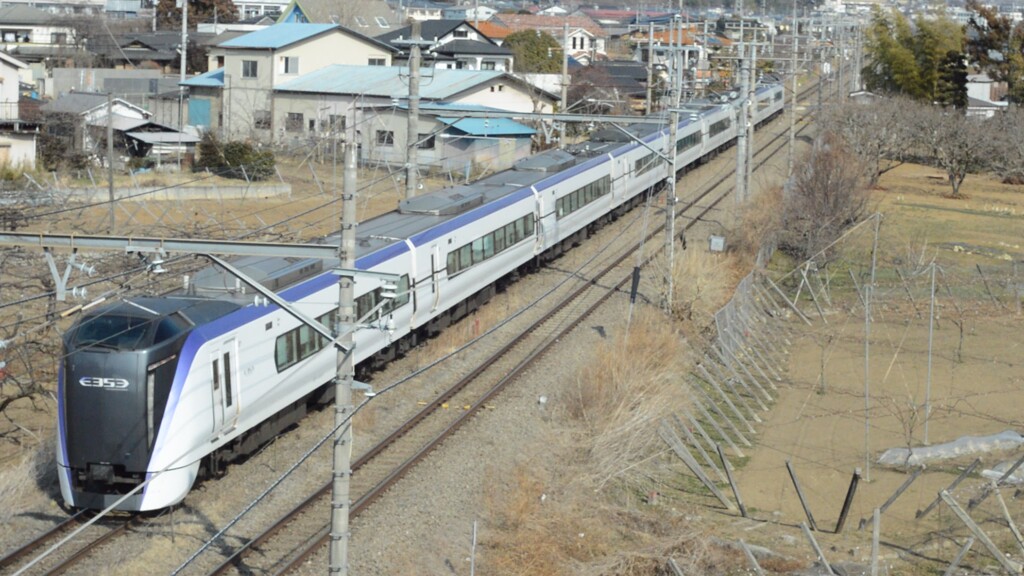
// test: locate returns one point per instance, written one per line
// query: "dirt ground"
(820, 422)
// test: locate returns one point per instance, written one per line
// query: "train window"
(284, 355)
(528, 224)
(402, 298)
(307, 343)
(112, 331)
(465, 257)
(520, 230)
(216, 375)
(169, 327)
(499, 239)
(510, 233)
(488, 246)
(227, 379)
(478, 250)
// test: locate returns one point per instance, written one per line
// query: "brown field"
(977, 385)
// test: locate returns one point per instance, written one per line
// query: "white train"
(163, 389)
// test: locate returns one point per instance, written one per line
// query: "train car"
(159, 390)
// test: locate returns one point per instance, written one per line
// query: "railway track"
(90, 539)
(374, 472)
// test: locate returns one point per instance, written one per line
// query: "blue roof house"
(236, 96)
(323, 102)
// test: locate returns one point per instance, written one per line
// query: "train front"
(115, 381)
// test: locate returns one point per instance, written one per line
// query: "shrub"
(234, 159)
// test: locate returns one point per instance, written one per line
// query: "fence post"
(1011, 566)
(800, 495)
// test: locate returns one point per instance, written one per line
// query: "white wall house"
(254, 64)
(454, 44)
(17, 137)
(320, 104)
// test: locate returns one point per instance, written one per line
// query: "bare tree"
(1008, 135)
(877, 132)
(825, 197)
(955, 143)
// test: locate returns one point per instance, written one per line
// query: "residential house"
(37, 38)
(368, 17)
(585, 42)
(81, 118)
(985, 96)
(56, 7)
(474, 14)
(447, 141)
(245, 70)
(242, 26)
(496, 32)
(18, 126)
(320, 104)
(147, 50)
(421, 10)
(454, 44)
(249, 9)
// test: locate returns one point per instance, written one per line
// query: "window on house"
(376, 62)
(336, 123)
(261, 119)
(312, 124)
(293, 122)
(385, 138)
(58, 38)
(290, 65)
(426, 141)
(487, 66)
(361, 22)
(383, 23)
(461, 34)
(573, 42)
(249, 68)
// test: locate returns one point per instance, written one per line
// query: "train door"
(224, 365)
(437, 266)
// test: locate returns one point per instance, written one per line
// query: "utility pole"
(110, 157)
(931, 334)
(741, 134)
(751, 113)
(340, 488)
(181, 87)
(565, 82)
(412, 168)
(792, 93)
(650, 67)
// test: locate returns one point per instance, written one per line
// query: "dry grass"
(703, 282)
(545, 523)
(759, 223)
(618, 401)
(37, 469)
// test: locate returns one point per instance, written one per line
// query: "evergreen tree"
(535, 52)
(169, 12)
(951, 89)
(905, 58)
(997, 47)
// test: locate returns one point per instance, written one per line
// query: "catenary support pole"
(740, 193)
(565, 82)
(412, 168)
(340, 499)
(792, 94)
(110, 159)
(650, 68)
